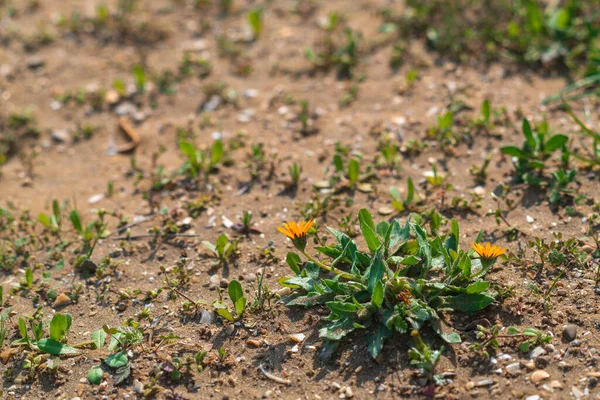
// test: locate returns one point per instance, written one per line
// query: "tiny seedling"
(223, 248)
(236, 295)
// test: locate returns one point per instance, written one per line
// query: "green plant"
(236, 295)
(403, 282)
(223, 248)
(295, 172)
(199, 161)
(489, 338)
(480, 173)
(255, 21)
(54, 344)
(537, 148)
(558, 184)
(400, 204)
(139, 73)
(90, 234)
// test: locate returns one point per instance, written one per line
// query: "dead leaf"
(131, 133)
(7, 354)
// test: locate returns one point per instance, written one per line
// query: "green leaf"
(294, 261)
(187, 149)
(209, 246)
(375, 340)
(23, 329)
(99, 338)
(513, 152)
(340, 307)
(337, 330)
(29, 277)
(376, 271)
(225, 313)
(556, 142)
(485, 110)
(44, 220)
(59, 327)
(377, 297)
(410, 190)
(528, 134)
(217, 152)
(235, 291)
(368, 229)
(95, 375)
(76, 221)
(51, 346)
(470, 303)
(395, 193)
(116, 360)
(353, 172)
(477, 287)
(512, 330)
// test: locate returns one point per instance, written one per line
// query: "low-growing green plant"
(255, 21)
(236, 295)
(398, 202)
(402, 283)
(223, 248)
(199, 161)
(54, 344)
(489, 338)
(537, 148)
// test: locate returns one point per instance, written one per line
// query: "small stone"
(535, 353)
(578, 394)
(223, 283)
(297, 337)
(295, 349)
(138, 387)
(479, 190)
(111, 97)
(569, 333)
(534, 397)
(530, 365)
(539, 376)
(62, 300)
(60, 136)
(514, 368)
(470, 385)
(230, 329)
(529, 219)
(125, 109)
(206, 317)
(253, 342)
(484, 382)
(556, 384)
(95, 198)
(349, 392)
(385, 210)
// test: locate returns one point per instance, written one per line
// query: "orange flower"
(487, 251)
(297, 232)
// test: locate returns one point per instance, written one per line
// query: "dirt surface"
(263, 108)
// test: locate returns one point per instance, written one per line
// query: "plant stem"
(327, 268)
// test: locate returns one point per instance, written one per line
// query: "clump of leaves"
(490, 338)
(403, 282)
(223, 248)
(236, 295)
(531, 157)
(201, 162)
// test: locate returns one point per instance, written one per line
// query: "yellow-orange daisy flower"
(297, 232)
(294, 230)
(488, 251)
